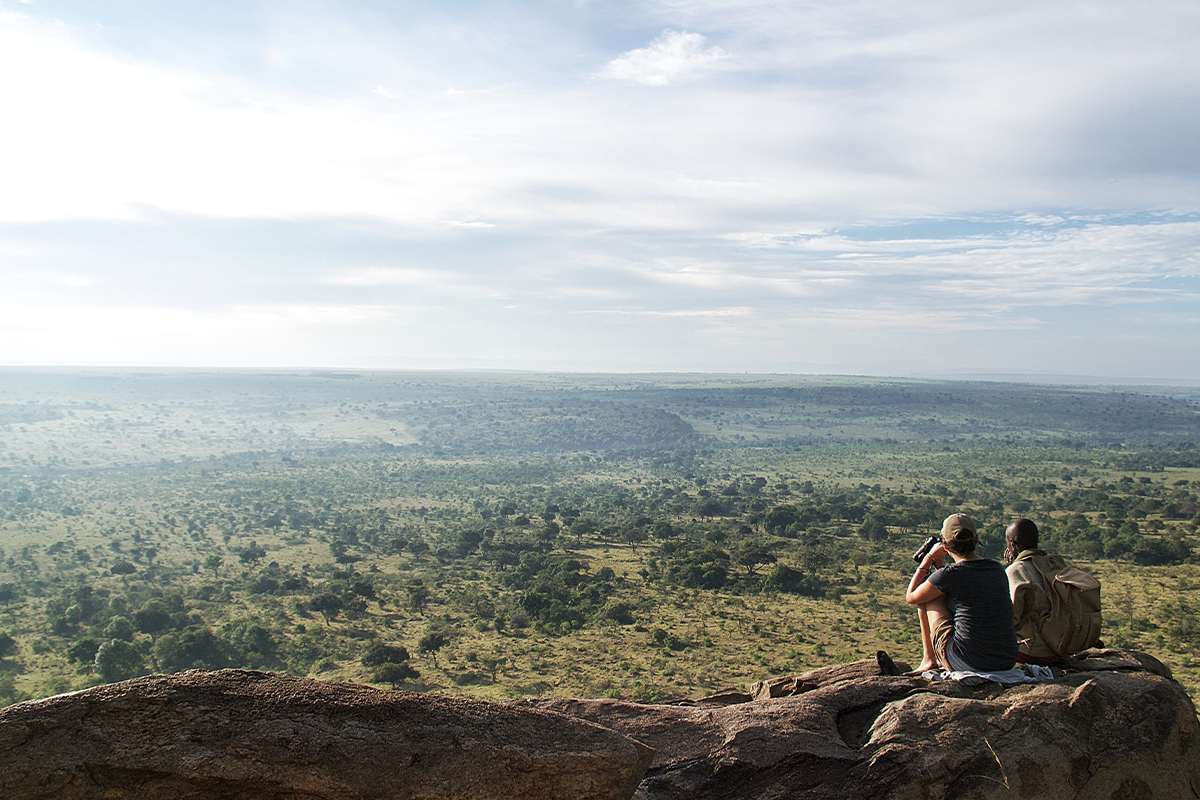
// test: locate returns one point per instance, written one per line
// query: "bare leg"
(927, 659)
(931, 615)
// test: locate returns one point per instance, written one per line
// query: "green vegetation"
(647, 538)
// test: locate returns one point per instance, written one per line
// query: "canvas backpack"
(1061, 606)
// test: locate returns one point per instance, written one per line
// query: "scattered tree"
(251, 554)
(378, 653)
(8, 645)
(394, 674)
(327, 605)
(492, 663)
(431, 642)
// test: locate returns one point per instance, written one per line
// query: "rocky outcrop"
(255, 736)
(1113, 727)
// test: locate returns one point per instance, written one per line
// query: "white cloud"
(386, 276)
(741, 311)
(673, 55)
(232, 336)
(436, 285)
(993, 276)
(831, 117)
(560, 213)
(94, 135)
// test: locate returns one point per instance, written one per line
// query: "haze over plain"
(882, 188)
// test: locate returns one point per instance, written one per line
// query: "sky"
(897, 188)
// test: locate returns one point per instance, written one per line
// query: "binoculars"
(923, 551)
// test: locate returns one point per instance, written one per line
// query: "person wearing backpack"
(1056, 606)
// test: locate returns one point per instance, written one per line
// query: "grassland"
(554, 535)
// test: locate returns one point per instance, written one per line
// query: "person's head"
(958, 534)
(1021, 535)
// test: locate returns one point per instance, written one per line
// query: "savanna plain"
(650, 537)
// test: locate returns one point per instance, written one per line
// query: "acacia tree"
(431, 642)
(124, 569)
(633, 536)
(378, 654)
(327, 605)
(752, 554)
(418, 596)
(251, 554)
(492, 663)
(394, 674)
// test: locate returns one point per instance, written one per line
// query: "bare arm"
(920, 590)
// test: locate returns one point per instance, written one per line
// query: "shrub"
(394, 674)
(378, 653)
(118, 660)
(1161, 552)
(783, 578)
(193, 648)
(617, 611)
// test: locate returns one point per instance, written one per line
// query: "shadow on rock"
(1113, 725)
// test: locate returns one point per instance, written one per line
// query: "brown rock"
(836, 673)
(1110, 659)
(1114, 732)
(256, 736)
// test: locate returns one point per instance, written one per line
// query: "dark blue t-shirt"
(977, 594)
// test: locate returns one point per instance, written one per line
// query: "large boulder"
(245, 735)
(1115, 726)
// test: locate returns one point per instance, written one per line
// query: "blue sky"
(894, 188)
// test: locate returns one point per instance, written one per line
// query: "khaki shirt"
(1031, 603)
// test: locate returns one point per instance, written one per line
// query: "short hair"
(1023, 534)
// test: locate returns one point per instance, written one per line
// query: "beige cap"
(955, 524)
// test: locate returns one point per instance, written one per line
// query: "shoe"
(886, 665)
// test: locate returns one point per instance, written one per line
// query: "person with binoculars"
(965, 610)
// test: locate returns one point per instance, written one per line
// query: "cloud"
(862, 168)
(704, 312)
(386, 276)
(1045, 265)
(292, 335)
(672, 56)
(832, 117)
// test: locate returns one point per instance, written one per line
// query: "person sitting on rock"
(1046, 634)
(965, 610)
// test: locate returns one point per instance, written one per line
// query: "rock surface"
(1114, 727)
(255, 736)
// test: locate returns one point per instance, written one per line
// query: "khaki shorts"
(942, 635)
